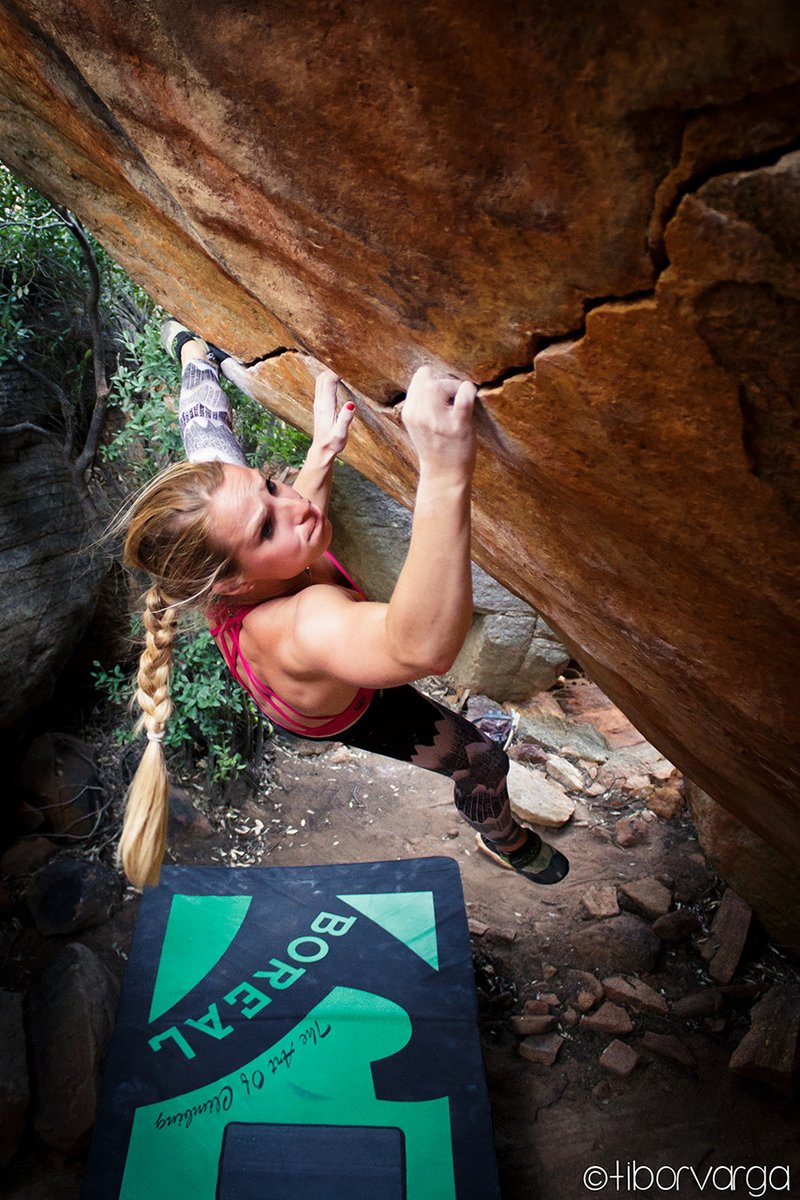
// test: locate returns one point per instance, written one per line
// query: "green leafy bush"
(145, 389)
(43, 287)
(42, 317)
(214, 718)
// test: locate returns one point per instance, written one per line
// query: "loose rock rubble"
(619, 1058)
(770, 1051)
(725, 943)
(631, 982)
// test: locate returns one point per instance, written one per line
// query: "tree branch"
(66, 408)
(101, 386)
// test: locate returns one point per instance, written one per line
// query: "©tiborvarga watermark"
(631, 1177)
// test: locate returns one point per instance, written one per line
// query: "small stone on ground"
(537, 799)
(541, 1048)
(609, 1018)
(619, 1058)
(601, 900)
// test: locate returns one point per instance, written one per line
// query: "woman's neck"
(272, 589)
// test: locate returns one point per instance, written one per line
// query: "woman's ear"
(232, 585)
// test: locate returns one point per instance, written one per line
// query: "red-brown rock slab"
(584, 701)
(666, 802)
(537, 1008)
(636, 994)
(648, 896)
(584, 989)
(619, 1058)
(526, 1025)
(477, 928)
(697, 1004)
(669, 1046)
(631, 831)
(609, 1018)
(770, 1050)
(725, 944)
(600, 900)
(526, 752)
(506, 934)
(758, 872)
(542, 1048)
(624, 943)
(639, 485)
(584, 1001)
(676, 926)
(27, 856)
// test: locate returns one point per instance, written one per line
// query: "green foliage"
(144, 396)
(214, 718)
(213, 713)
(145, 390)
(265, 437)
(43, 288)
(40, 268)
(43, 285)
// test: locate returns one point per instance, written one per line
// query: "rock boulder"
(48, 589)
(593, 212)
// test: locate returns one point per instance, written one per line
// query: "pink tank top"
(228, 630)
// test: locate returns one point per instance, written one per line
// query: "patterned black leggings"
(403, 724)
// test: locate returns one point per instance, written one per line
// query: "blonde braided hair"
(144, 830)
(169, 535)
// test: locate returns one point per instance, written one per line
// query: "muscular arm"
(423, 626)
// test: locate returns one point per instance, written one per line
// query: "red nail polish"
(350, 405)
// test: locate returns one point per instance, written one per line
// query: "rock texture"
(71, 1014)
(14, 1080)
(48, 590)
(759, 872)
(592, 211)
(509, 653)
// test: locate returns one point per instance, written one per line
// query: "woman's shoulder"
(232, 616)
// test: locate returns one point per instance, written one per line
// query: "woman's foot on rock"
(175, 336)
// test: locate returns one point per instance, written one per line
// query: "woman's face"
(272, 531)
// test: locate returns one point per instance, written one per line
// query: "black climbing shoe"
(535, 859)
(174, 337)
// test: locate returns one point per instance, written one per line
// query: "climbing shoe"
(535, 859)
(174, 337)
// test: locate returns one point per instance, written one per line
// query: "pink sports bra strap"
(344, 573)
(228, 630)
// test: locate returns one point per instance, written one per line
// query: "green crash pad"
(299, 1032)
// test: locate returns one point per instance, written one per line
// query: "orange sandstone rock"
(560, 218)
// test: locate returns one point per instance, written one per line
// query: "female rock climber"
(319, 658)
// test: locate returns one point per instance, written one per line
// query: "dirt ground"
(320, 803)
(551, 1123)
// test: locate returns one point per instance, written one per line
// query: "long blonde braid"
(144, 830)
(169, 534)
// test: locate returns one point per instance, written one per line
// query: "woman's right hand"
(437, 412)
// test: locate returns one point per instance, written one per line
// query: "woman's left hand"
(331, 423)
